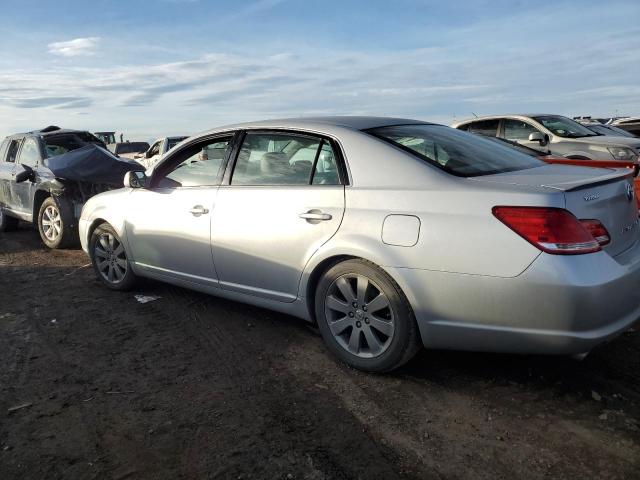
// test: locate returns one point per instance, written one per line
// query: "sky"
(169, 67)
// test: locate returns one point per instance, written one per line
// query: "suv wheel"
(7, 223)
(53, 231)
(364, 317)
(109, 259)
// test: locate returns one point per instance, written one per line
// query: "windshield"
(454, 151)
(564, 127)
(609, 130)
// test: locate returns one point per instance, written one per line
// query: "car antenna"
(474, 114)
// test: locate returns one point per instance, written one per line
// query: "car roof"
(317, 123)
(506, 115)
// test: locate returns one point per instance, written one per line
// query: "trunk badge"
(593, 196)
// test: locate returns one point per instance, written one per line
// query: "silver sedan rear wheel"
(364, 317)
(360, 315)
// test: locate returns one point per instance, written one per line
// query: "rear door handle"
(198, 210)
(315, 215)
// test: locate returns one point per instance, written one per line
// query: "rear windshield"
(131, 147)
(172, 142)
(454, 151)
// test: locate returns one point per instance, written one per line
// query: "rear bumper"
(559, 305)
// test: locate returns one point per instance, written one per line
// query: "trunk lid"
(600, 194)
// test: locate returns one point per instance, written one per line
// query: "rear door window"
(285, 159)
(485, 127)
(12, 154)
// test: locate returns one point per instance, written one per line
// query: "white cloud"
(74, 48)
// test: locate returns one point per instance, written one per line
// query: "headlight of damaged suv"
(621, 153)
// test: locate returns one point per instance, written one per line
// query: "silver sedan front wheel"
(109, 258)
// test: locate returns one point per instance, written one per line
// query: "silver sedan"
(389, 233)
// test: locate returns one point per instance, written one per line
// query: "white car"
(158, 149)
(554, 135)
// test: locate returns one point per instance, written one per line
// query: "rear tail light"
(597, 231)
(552, 230)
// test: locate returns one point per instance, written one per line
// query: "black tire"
(54, 231)
(385, 351)
(109, 259)
(7, 223)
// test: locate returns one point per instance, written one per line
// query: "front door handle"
(315, 215)
(198, 210)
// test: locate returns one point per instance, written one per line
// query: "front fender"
(109, 207)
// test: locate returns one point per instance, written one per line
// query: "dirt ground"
(94, 384)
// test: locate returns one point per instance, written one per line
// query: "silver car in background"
(555, 135)
(389, 233)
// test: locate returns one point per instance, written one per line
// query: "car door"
(29, 157)
(8, 173)
(6, 170)
(169, 223)
(518, 131)
(283, 199)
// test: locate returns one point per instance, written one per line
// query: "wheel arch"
(95, 223)
(40, 196)
(324, 260)
(314, 277)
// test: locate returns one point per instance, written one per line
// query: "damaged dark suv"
(47, 175)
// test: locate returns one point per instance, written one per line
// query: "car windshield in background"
(131, 147)
(564, 127)
(65, 142)
(609, 130)
(454, 151)
(172, 142)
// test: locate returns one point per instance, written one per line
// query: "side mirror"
(26, 173)
(135, 180)
(147, 154)
(538, 137)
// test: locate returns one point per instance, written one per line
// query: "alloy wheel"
(51, 223)
(110, 258)
(359, 315)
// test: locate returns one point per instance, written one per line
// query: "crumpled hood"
(91, 164)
